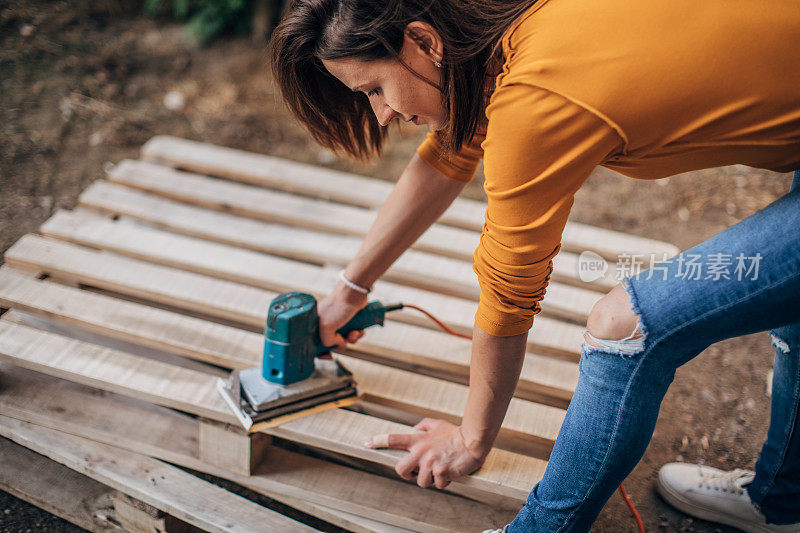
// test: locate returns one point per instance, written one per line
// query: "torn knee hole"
(629, 345)
(779, 343)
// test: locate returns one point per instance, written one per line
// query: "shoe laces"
(732, 482)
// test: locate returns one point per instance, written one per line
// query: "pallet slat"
(272, 172)
(146, 326)
(298, 480)
(201, 340)
(542, 379)
(525, 422)
(158, 484)
(113, 370)
(271, 206)
(274, 206)
(504, 474)
(414, 268)
(55, 488)
(278, 274)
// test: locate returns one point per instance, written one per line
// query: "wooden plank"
(231, 448)
(413, 268)
(273, 206)
(505, 474)
(151, 481)
(95, 507)
(525, 422)
(289, 477)
(56, 489)
(146, 326)
(529, 423)
(113, 370)
(273, 273)
(362, 191)
(135, 515)
(309, 213)
(543, 378)
(86, 335)
(266, 171)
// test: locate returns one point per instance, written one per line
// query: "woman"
(545, 91)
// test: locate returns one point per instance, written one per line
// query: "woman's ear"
(427, 40)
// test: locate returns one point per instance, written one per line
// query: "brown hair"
(339, 119)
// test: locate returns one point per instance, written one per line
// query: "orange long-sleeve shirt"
(648, 89)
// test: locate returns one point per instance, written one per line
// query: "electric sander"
(295, 376)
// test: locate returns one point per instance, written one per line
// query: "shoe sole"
(676, 500)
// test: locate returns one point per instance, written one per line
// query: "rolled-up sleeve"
(459, 167)
(539, 149)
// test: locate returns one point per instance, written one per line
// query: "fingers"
(329, 337)
(432, 460)
(425, 476)
(396, 441)
(353, 336)
(441, 478)
(399, 441)
(406, 466)
(427, 424)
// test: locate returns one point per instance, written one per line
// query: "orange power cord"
(451, 331)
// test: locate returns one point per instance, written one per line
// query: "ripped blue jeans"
(683, 309)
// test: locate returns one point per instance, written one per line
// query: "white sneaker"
(715, 495)
(501, 530)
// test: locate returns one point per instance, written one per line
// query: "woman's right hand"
(335, 311)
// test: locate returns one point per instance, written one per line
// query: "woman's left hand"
(439, 454)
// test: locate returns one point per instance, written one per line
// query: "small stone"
(704, 442)
(46, 202)
(683, 214)
(26, 30)
(730, 208)
(707, 395)
(95, 138)
(174, 101)
(65, 106)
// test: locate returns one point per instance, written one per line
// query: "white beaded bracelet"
(357, 288)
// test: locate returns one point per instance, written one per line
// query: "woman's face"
(393, 91)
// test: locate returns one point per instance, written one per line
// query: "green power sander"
(293, 377)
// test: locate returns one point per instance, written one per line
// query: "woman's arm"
(493, 374)
(418, 199)
(445, 451)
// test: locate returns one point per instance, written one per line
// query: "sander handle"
(370, 315)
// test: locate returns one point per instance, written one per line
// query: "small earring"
(437, 64)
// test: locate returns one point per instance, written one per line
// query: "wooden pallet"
(126, 311)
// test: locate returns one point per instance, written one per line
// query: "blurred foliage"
(206, 19)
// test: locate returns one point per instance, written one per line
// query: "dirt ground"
(83, 83)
